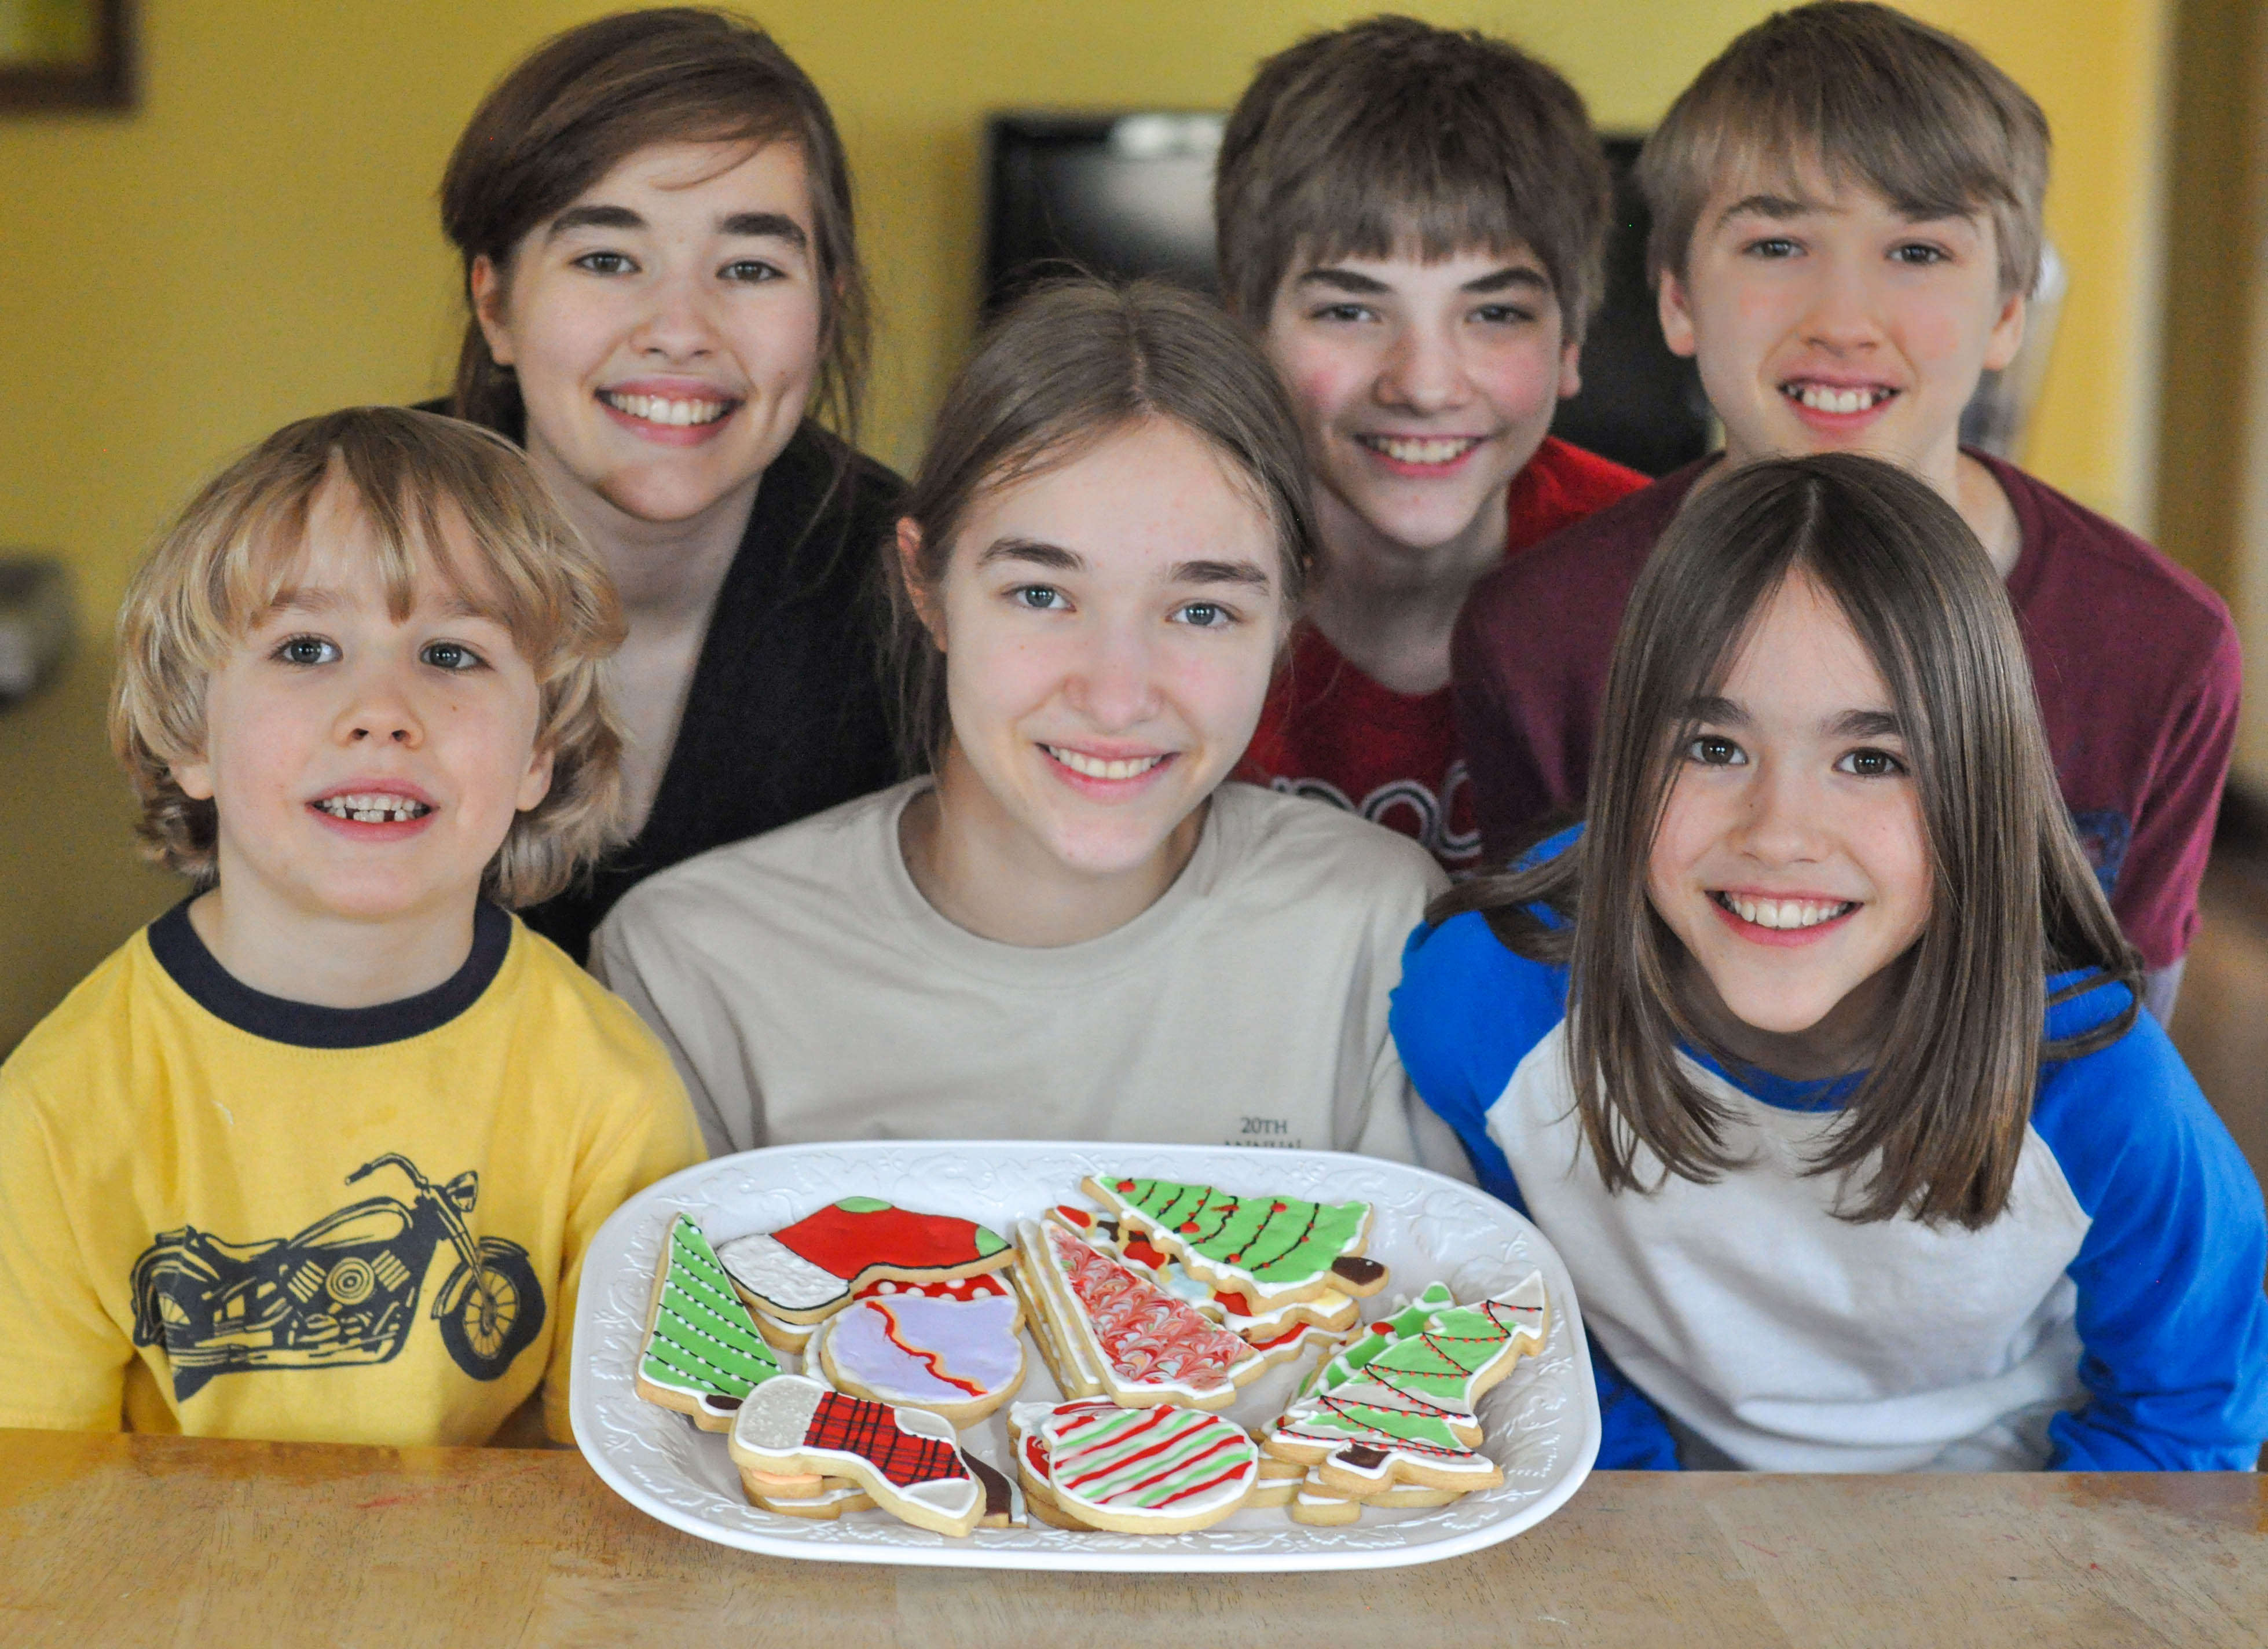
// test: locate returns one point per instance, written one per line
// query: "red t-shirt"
(1329, 732)
(2135, 660)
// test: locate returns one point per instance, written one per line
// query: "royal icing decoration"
(813, 1267)
(1434, 1299)
(921, 1349)
(909, 1460)
(702, 1349)
(1164, 1464)
(1269, 1248)
(1149, 1346)
(1410, 1404)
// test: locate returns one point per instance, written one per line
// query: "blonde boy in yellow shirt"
(317, 1154)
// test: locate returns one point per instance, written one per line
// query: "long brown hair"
(1937, 1125)
(588, 99)
(1070, 364)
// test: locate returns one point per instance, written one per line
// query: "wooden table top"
(147, 1539)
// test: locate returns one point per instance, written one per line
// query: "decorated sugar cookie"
(1270, 1249)
(1274, 1330)
(1407, 1413)
(908, 1460)
(811, 1269)
(957, 1355)
(1434, 1299)
(1108, 1332)
(702, 1354)
(1159, 1470)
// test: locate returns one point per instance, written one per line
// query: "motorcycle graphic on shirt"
(343, 1292)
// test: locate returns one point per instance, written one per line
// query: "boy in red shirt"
(1412, 220)
(1846, 222)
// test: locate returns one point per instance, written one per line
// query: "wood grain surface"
(125, 1540)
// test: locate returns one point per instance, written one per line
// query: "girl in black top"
(654, 213)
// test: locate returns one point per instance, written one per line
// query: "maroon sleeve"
(2137, 670)
(1508, 790)
(2156, 897)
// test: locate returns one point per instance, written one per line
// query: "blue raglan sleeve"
(1464, 1016)
(1467, 1013)
(2172, 1320)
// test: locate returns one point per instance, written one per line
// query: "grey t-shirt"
(809, 992)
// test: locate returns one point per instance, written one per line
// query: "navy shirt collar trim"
(184, 957)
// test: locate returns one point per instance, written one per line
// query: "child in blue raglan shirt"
(1816, 1051)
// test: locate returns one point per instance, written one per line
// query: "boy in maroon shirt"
(1412, 220)
(1846, 221)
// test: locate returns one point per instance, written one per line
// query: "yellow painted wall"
(257, 242)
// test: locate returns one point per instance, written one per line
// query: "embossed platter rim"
(1543, 1421)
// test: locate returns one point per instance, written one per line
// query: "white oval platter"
(1541, 1421)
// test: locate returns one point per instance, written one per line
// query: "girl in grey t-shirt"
(1072, 928)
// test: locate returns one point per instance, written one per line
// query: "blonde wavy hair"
(227, 557)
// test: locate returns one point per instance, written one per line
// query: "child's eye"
(306, 650)
(752, 271)
(1772, 247)
(1870, 765)
(604, 263)
(449, 655)
(1342, 313)
(1040, 598)
(1715, 750)
(1503, 314)
(1918, 253)
(1204, 615)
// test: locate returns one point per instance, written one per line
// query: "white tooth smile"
(374, 807)
(657, 409)
(1783, 913)
(1827, 398)
(1421, 449)
(1093, 766)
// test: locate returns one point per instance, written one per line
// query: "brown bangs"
(1391, 136)
(1845, 95)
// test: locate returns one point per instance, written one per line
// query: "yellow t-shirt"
(230, 1215)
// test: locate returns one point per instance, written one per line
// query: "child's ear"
(918, 590)
(1570, 369)
(1676, 316)
(2007, 334)
(488, 284)
(536, 783)
(194, 779)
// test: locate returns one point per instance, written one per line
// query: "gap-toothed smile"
(371, 808)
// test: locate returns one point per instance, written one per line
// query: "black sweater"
(788, 712)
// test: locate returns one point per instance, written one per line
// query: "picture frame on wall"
(66, 53)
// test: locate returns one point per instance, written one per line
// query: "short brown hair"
(1065, 366)
(222, 563)
(588, 99)
(1942, 1116)
(1363, 140)
(1869, 95)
